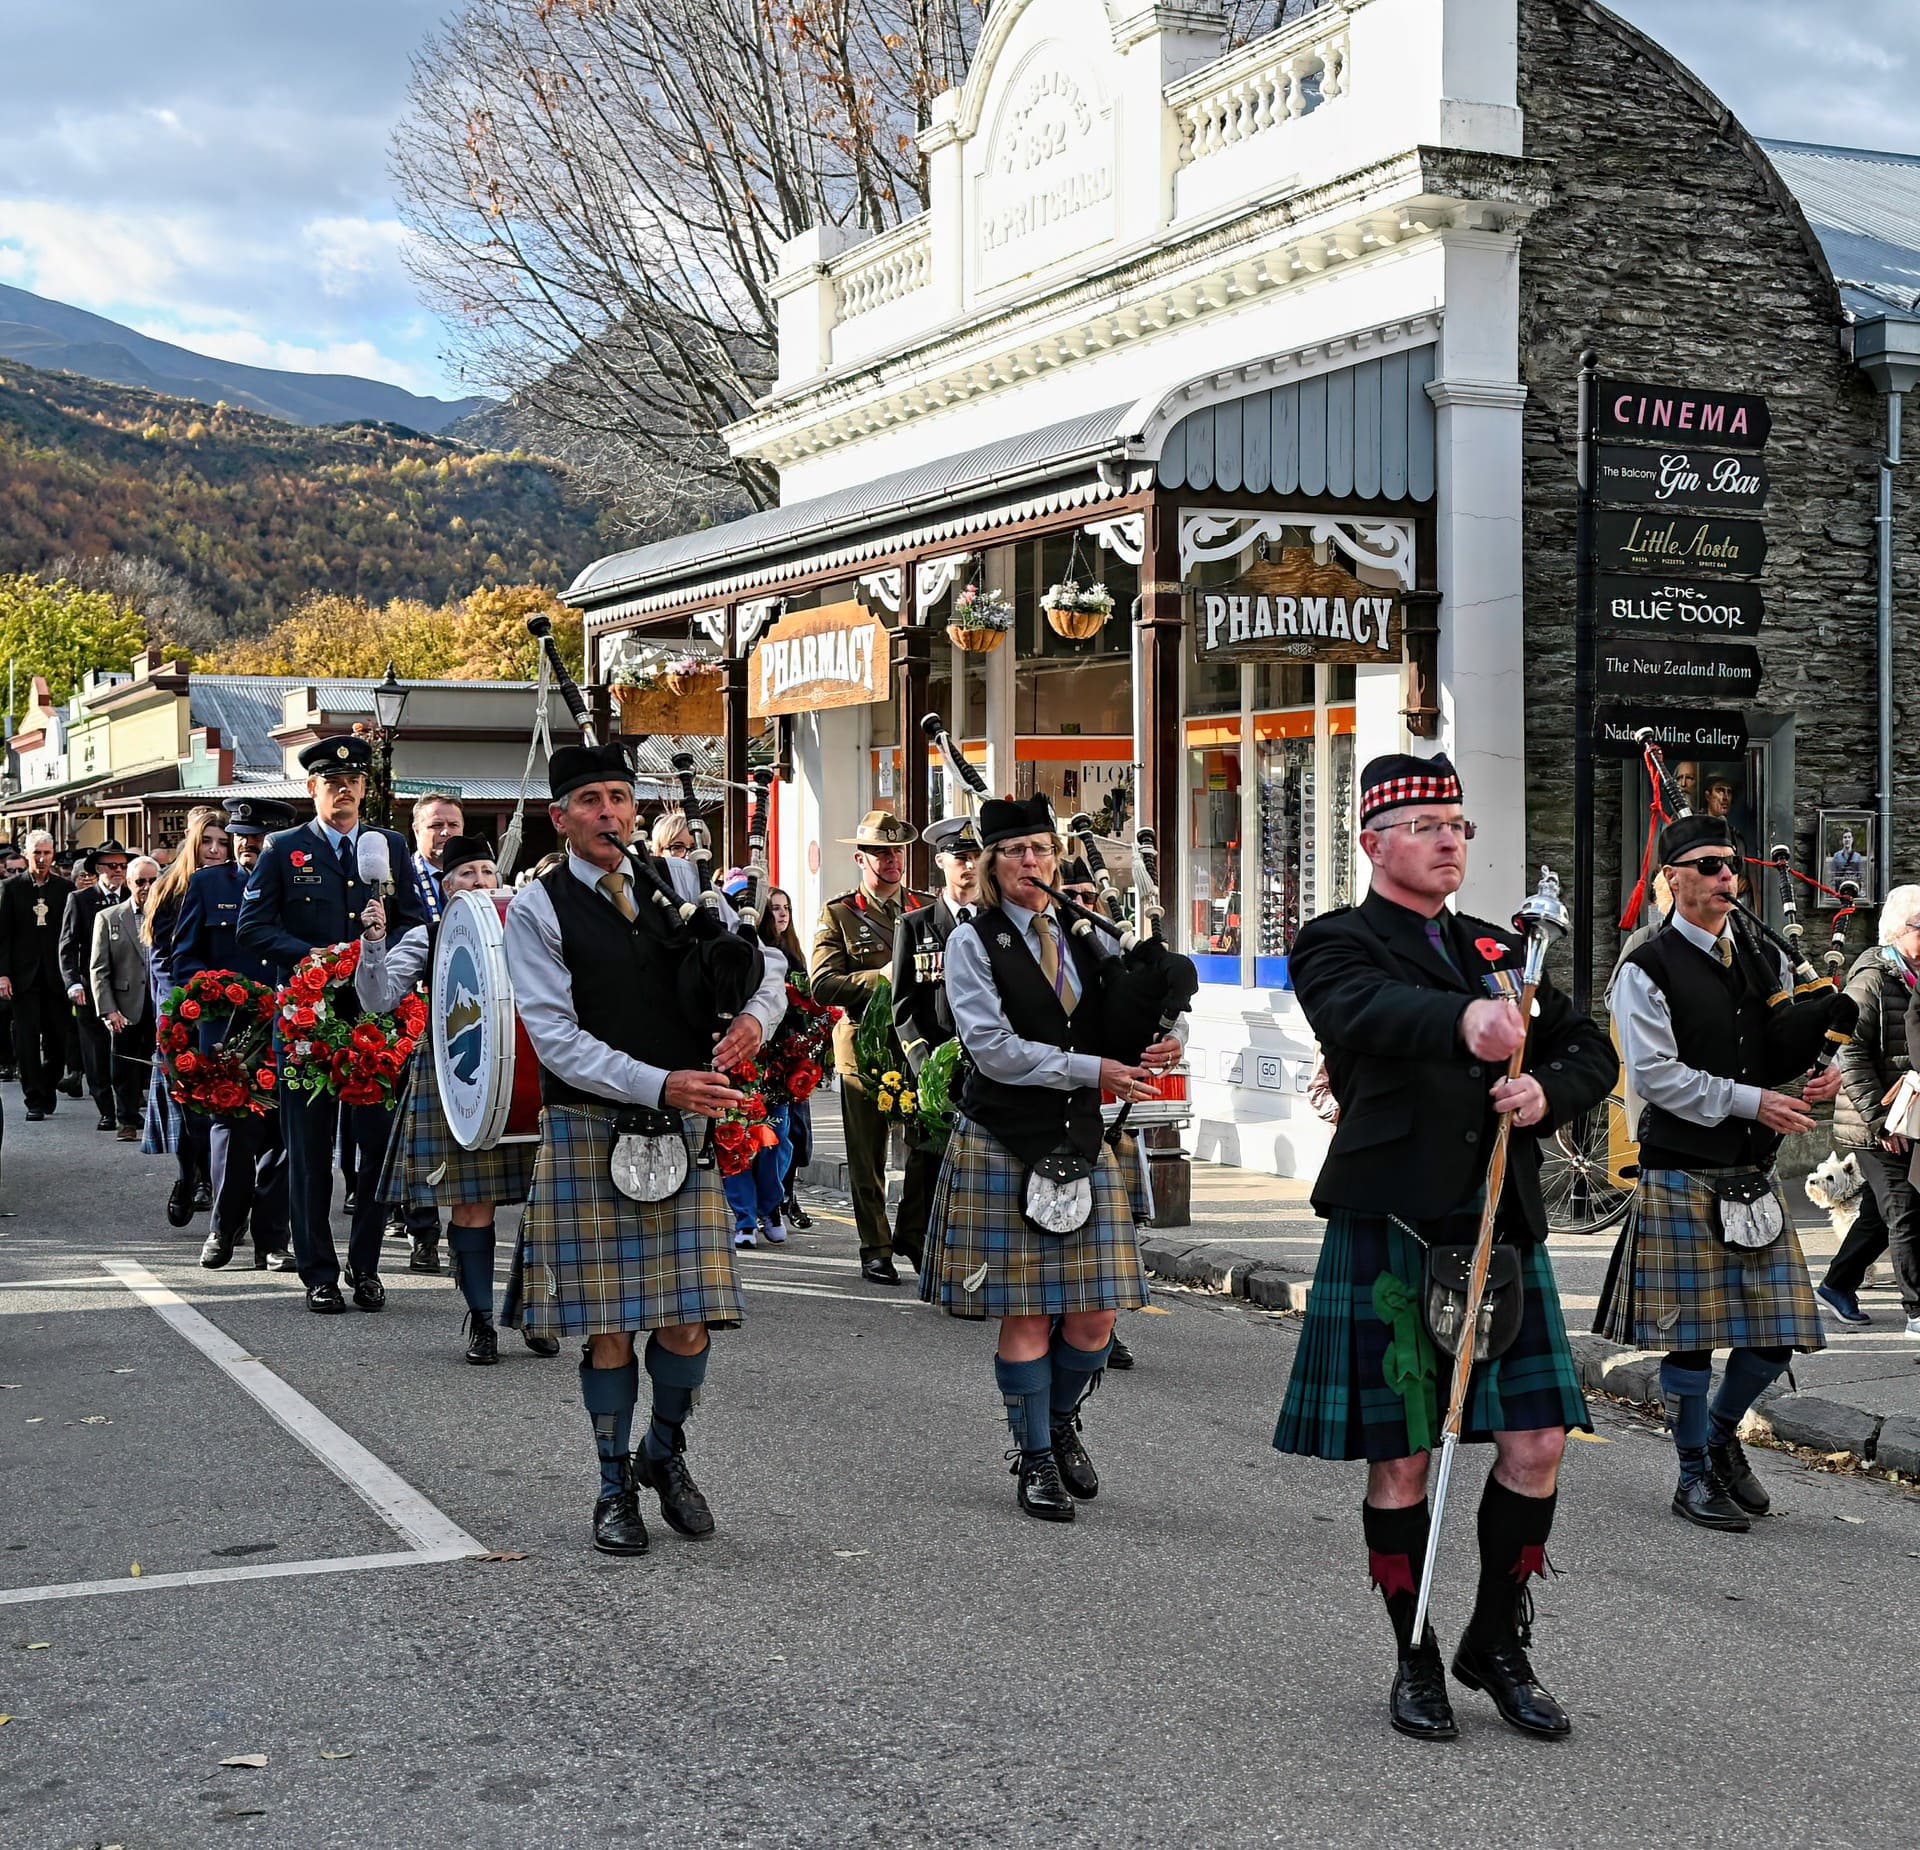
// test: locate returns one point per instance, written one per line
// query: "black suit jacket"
(30, 952)
(76, 937)
(299, 896)
(921, 1017)
(1416, 1122)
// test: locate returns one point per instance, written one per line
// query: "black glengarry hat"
(341, 755)
(1399, 778)
(1685, 833)
(461, 849)
(1003, 818)
(573, 767)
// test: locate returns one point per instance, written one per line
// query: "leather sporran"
(649, 1160)
(1449, 1271)
(1058, 1197)
(1748, 1205)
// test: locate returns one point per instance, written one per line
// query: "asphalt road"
(875, 1648)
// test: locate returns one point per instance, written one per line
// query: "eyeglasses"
(1027, 850)
(1712, 865)
(1424, 828)
(680, 847)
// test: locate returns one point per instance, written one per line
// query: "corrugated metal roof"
(1001, 464)
(1864, 207)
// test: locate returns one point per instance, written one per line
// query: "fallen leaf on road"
(847, 1554)
(38, 1419)
(1592, 1438)
(1733, 1596)
(253, 1760)
(120, 1371)
(1153, 1310)
(4, 1719)
(95, 1419)
(44, 1646)
(336, 1753)
(134, 1570)
(1858, 1521)
(4, 1385)
(499, 1554)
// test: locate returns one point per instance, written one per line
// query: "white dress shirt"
(543, 990)
(389, 968)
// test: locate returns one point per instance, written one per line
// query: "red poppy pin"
(300, 857)
(1490, 948)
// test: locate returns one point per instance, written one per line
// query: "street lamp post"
(389, 704)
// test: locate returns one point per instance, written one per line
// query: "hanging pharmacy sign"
(1294, 608)
(835, 656)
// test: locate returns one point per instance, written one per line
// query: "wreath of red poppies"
(328, 1047)
(228, 1077)
(741, 1132)
(800, 1055)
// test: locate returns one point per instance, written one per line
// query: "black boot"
(1703, 1500)
(425, 1256)
(680, 1500)
(483, 1341)
(1736, 1477)
(1076, 1468)
(1500, 1666)
(1418, 1704)
(1120, 1356)
(202, 1195)
(617, 1525)
(217, 1251)
(1041, 1493)
(795, 1215)
(180, 1204)
(541, 1345)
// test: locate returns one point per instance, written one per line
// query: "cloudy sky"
(213, 172)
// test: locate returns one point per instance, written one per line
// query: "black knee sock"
(1075, 1374)
(677, 1380)
(1513, 1548)
(471, 1250)
(1396, 1554)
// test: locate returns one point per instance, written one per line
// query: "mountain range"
(55, 338)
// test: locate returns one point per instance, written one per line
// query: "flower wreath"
(225, 1078)
(800, 1055)
(742, 1131)
(355, 1058)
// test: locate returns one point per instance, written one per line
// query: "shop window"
(1341, 818)
(1212, 882)
(1289, 842)
(1061, 700)
(1283, 684)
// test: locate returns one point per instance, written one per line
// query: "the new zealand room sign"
(1626, 540)
(1295, 609)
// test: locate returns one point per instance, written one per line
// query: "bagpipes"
(701, 854)
(724, 969)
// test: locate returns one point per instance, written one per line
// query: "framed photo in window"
(1846, 849)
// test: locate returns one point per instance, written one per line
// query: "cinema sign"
(835, 656)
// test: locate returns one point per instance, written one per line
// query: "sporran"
(1058, 1199)
(1449, 1271)
(1752, 1215)
(649, 1160)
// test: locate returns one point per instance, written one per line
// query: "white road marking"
(821, 1291)
(216, 1576)
(425, 1530)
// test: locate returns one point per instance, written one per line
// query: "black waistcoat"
(1719, 1027)
(626, 983)
(1033, 1121)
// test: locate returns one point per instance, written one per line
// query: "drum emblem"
(463, 1022)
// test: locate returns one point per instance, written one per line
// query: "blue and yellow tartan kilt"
(976, 1226)
(427, 1168)
(1674, 1284)
(592, 1262)
(1339, 1402)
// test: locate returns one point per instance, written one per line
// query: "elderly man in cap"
(120, 986)
(32, 908)
(623, 1233)
(247, 1155)
(306, 892)
(108, 866)
(1711, 1030)
(852, 951)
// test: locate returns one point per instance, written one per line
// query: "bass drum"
(489, 1078)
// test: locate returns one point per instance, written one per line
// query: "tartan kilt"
(1339, 1403)
(1674, 1284)
(165, 1124)
(975, 1220)
(592, 1262)
(427, 1168)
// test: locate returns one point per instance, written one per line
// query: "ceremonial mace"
(1541, 919)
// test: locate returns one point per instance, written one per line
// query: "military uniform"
(852, 950)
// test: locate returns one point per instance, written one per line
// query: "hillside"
(52, 336)
(259, 515)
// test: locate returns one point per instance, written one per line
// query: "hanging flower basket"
(980, 621)
(1077, 611)
(648, 705)
(691, 674)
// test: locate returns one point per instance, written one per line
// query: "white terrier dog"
(1836, 1186)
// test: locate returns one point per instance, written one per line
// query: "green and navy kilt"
(592, 1262)
(427, 1168)
(1340, 1402)
(1675, 1284)
(976, 1224)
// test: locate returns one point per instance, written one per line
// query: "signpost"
(1631, 410)
(1678, 731)
(1679, 606)
(1658, 669)
(1708, 481)
(1657, 541)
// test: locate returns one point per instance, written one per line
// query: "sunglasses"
(1712, 865)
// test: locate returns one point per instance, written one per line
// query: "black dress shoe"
(179, 1204)
(878, 1270)
(325, 1299)
(202, 1197)
(795, 1215)
(216, 1252)
(668, 1478)
(1418, 1705)
(1736, 1477)
(1041, 1493)
(1120, 1356)
(259, 1259)
(425, 1256)
(280, 1260)
(1076, 1468)
(72, 1086)
(483, 1341)
(1702, 1500)
(368, 1292)
(617, 1528)
(1502, 1670)
(106, 1122)
(34, 1114)
(541, 1345)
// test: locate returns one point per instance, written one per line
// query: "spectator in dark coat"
(32, 907)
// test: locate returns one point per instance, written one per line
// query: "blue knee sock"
(471, 1250)
(1685, 1392)
(1027, 1388)
(1074, 1373)
(676, 1385)
(609, 1394)
(1747, 1377)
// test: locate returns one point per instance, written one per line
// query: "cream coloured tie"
(1051, 966)
(1723, 949)
(615, 888)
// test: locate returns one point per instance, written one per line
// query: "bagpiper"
(1030, 1221)
(1415, 1010)
(1709, 1258)
(629, 1081)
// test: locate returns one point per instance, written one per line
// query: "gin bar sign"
(1631, 411)
(1637, 476)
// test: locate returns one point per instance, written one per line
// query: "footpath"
(1256, 1237)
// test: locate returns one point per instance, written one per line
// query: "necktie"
(1723, 949)
(1439, 943)
(349, 861)
(1052, 965)
(615, 888)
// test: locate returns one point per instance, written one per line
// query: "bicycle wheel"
(1576, 1173)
